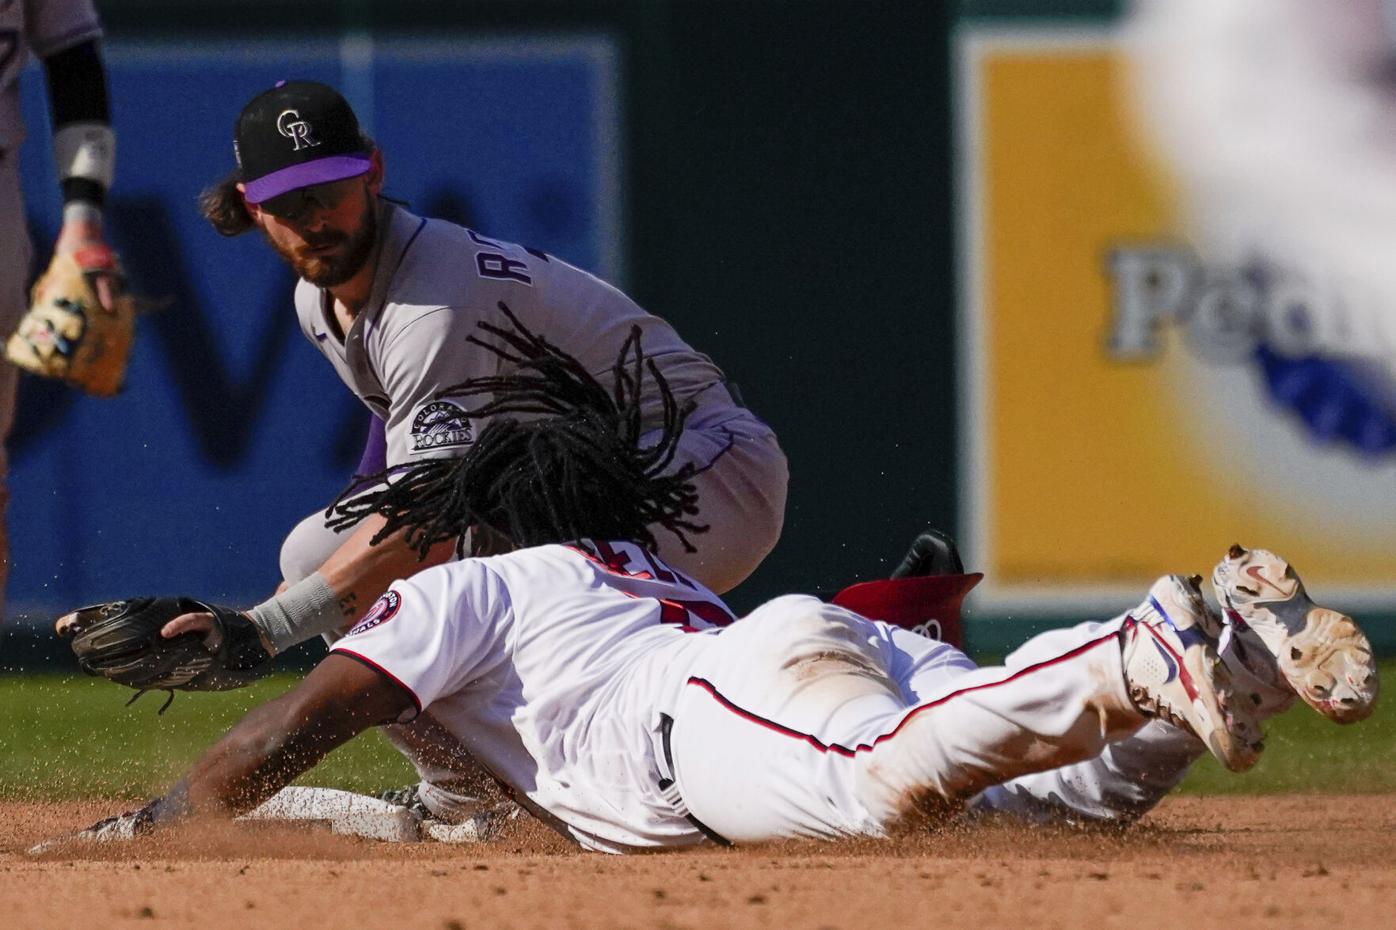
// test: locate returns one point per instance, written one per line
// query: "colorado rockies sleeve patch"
(440, 425)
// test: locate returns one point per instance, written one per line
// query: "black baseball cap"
(297, 134)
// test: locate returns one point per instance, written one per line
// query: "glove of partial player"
(67, 333)
(121, 641)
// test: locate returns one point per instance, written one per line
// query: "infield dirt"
(1296, 861)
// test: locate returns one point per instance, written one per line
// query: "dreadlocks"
(578, 471)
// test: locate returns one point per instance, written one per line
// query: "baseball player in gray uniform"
(64, 34)
(393, 301)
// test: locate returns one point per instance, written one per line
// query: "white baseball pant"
(806, 720)
(1130, 777)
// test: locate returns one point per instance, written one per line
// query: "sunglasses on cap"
(295, 204)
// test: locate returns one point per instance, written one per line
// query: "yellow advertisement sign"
(1114, 425)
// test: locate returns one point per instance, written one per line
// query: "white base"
(346, 813)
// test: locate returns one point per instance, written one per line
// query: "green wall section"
(1028, 9)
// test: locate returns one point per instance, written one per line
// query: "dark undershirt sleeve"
(77, 89)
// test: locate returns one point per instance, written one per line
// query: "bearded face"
(327, 235)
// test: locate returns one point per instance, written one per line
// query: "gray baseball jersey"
(43, 27)
(434, 283)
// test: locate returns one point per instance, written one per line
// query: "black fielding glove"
(121, 641)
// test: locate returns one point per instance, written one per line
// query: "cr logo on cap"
(290, 125)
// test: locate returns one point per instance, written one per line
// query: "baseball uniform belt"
(670, 790)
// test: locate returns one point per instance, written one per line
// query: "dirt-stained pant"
(806, 720)
(1130, 777)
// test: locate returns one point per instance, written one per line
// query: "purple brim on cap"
(320, 171)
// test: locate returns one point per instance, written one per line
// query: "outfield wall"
(231, 427)
(779, 180)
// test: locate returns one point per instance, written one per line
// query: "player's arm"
(267, 749)
(350, 580)
(63, 335)
(427, 352)
(419, 360)
(278, 741)
(332, 598)
(84, 144)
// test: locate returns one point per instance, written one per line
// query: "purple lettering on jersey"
(481, 240)
(494, 265)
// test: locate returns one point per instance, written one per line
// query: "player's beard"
(352, 249)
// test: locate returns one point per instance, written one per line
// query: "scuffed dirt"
(1312, 861)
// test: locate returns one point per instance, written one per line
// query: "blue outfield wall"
(231, 427)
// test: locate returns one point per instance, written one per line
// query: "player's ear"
(375, 172)
(253, 210)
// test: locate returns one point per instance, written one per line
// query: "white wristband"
(80, 211)
(85, 150)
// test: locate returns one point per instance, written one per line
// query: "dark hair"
(222, 205)
(578, 471)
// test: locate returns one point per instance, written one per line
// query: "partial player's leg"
(9, 383)
(1170, 671)
(754, 725)
(813, 722)
(310, 543)
(14, 271)
(1277, 645)
(741, 486)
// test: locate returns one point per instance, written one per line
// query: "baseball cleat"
(481, 827)
(65, 627)
(1174, 673)
(482, 824)
(1321, 653)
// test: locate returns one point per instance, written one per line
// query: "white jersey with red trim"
(552, 666)
(604, 689)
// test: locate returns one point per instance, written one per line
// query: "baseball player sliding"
(611, 693)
